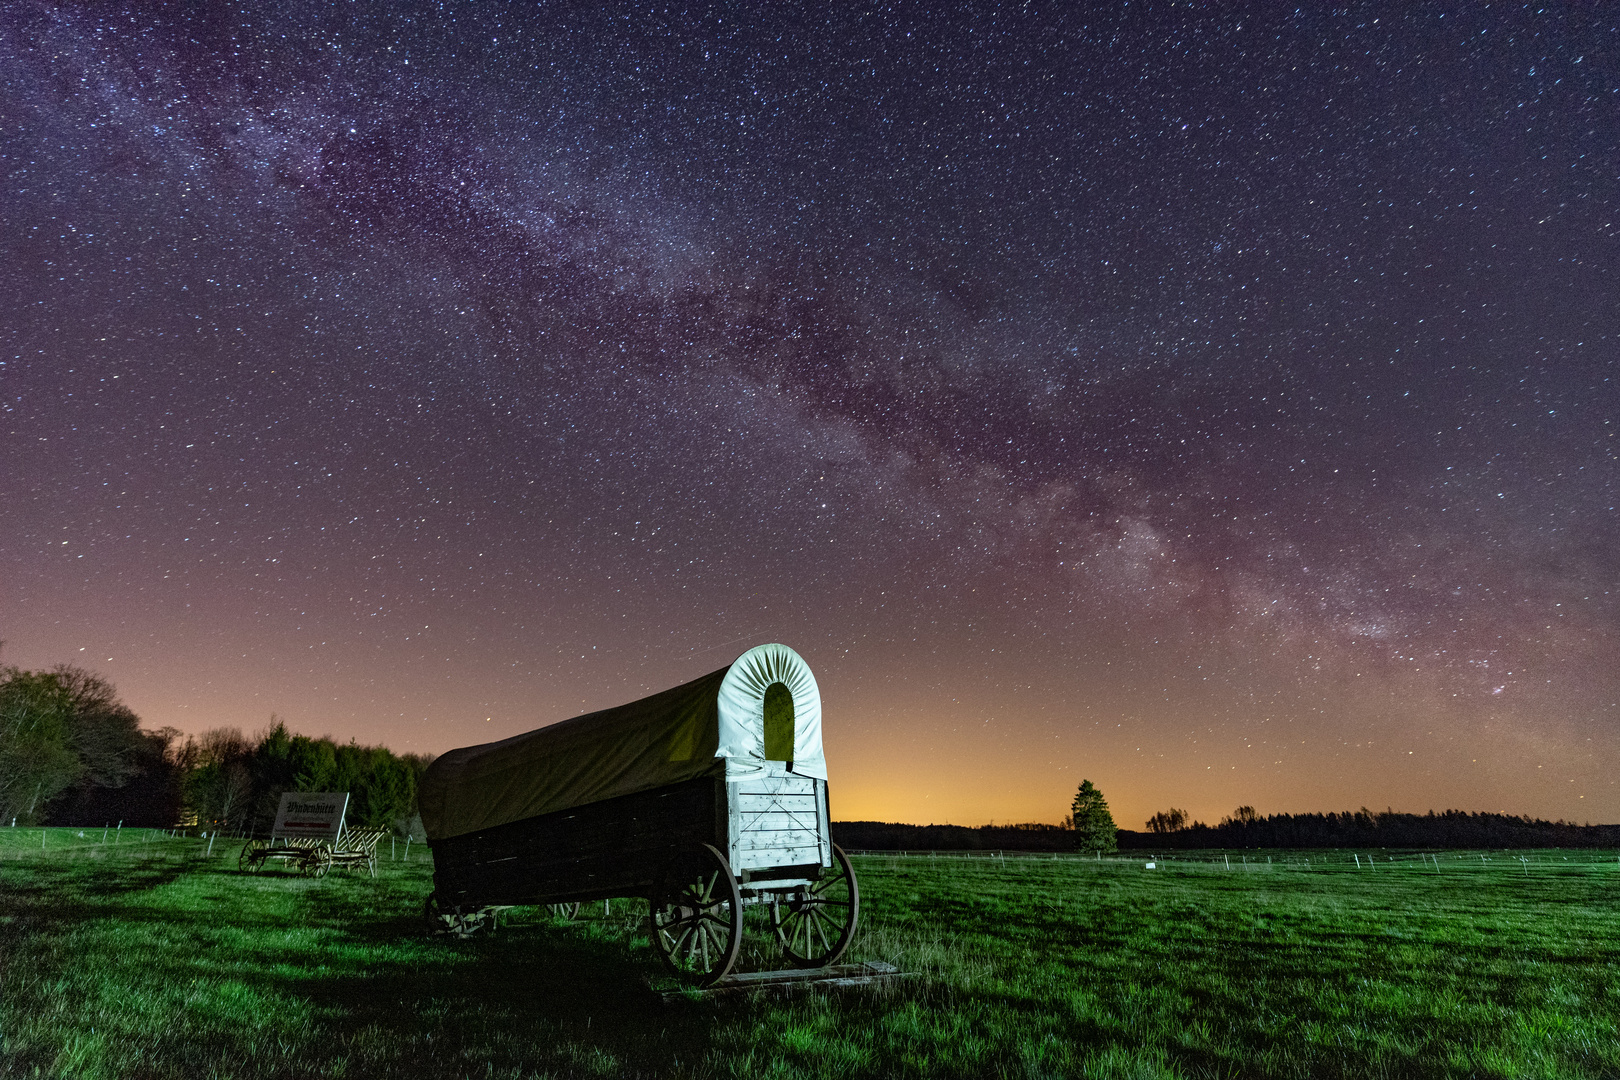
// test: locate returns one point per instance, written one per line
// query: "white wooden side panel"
(824, 814)
(767, 841)
(752, 801)
(776, 823)
(779, 820)
(753, 857)
(781, 784)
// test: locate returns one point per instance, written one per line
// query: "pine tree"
(1093, 825)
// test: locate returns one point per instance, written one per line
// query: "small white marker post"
(1358, 860)
(407, 849)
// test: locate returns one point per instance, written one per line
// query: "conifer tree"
(1093, 825)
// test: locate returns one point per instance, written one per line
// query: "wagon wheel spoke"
(675, 945)
(816, 926)
(821, 932)
(697, 924)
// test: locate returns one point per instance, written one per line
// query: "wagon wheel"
(317, 862)
(566, 912)
(696, 920)
(441, 920)
(436, 918)
(815, 924)
(247, 861)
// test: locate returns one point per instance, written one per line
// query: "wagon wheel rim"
(246, 861)
(565, 912)
(816, 924)
(696, 924)
(455, 921)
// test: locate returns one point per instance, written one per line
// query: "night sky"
(1217, 405)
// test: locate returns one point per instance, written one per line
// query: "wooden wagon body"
(772, 829)
(703, 799)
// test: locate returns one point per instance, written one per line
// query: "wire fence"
(25, 841)
(1373, 861)
(32, 840)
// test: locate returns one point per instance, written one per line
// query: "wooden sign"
(311, 815)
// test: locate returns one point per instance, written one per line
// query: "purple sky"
(1217, 405)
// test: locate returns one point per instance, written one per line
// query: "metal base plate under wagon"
(837, 977)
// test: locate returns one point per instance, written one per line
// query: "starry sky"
(1213, 402)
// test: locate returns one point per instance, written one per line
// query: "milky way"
(1217, 405)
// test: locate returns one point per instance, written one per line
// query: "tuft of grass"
(152, 959)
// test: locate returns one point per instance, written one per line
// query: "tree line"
(1449, 829)
(1089, 826)
(71, 753)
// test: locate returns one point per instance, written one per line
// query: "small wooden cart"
(704, 799)
(303, 854)
(354, 849)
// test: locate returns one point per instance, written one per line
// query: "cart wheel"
(815, 924)
(696, 920)
(566, 912)
(455, 921)
(246, 861)
(436, 918)
(317, 862)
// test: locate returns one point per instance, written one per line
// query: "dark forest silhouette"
(71, 753)
(1451, 829)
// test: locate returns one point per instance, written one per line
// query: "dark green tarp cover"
(713, 726)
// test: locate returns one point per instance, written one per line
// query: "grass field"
(150, 959)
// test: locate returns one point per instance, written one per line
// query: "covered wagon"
(703, 799)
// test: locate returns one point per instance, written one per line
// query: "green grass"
(151, 960)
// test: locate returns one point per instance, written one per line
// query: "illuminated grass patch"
(152, 960)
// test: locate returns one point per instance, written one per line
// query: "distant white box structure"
(311, 815)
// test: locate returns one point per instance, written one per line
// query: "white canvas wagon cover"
(764, 706)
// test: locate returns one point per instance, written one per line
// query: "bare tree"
(1168, 821)
(1243, 815)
